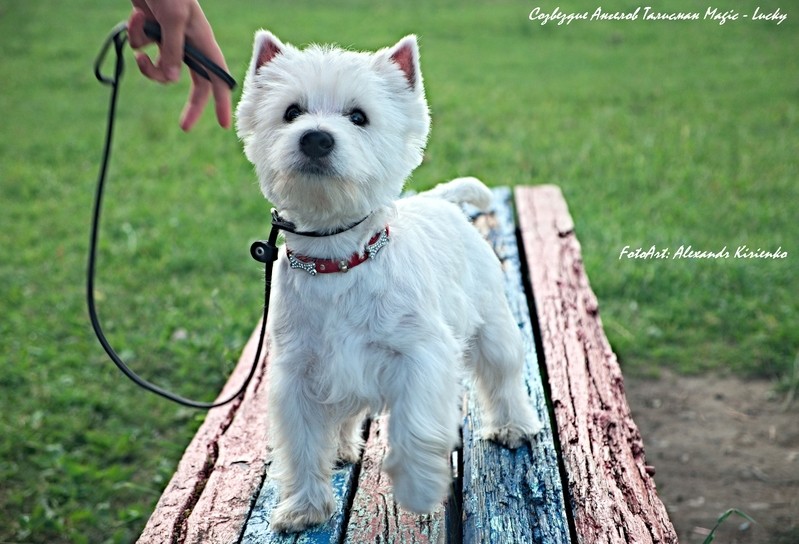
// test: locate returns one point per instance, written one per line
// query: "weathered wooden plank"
(512, 496)
(259, 531)
(222, 510)
(613, 498)
(201, 460)
(374, 516)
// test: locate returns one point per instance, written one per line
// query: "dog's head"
(333, 134)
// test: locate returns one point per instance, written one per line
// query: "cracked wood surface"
(258, 530)
(374, 516)
(209, 496)
(511, 496)
(612, 497)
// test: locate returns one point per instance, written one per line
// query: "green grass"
(722, 518)
(661, 134)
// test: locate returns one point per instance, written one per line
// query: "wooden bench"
(585, 478)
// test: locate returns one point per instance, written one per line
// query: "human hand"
(180, 20)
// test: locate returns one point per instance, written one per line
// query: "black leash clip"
(263, 252)
(266, 252)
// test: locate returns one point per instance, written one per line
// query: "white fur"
(394, 332)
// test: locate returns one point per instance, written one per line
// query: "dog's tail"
(463, 191)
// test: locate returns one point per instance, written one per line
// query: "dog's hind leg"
(497, 362)
(350, 439)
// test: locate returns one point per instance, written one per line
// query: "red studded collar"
(316, 266)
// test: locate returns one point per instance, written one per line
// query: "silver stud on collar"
(373, 249)
(294, 262)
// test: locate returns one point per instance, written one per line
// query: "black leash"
(265, 252)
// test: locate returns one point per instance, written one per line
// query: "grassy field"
(662, 134)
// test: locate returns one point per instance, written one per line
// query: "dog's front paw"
(417, 487)
(296, 514)
(420, 499)
(513, 435)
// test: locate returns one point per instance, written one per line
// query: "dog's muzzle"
(316, 144)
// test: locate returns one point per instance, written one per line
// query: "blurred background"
(661, 134)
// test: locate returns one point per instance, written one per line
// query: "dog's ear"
(266, 48)
(405, 54)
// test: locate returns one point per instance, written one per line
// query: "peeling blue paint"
(512, 496)
(258, 529)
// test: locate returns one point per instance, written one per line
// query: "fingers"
(148, 69)
(136, 35)
(180, 20)
(222, 100)
(202, 37)
(201, 90)
(165, 71)
(198, 98)
(173, 35)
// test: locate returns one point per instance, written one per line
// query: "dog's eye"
(292, 113)
(358, 118)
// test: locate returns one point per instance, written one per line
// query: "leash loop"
(118, 38)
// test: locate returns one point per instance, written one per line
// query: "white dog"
(384, 309)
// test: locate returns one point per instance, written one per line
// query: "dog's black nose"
(317, 143)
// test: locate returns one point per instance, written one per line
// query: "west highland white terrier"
(389, 298)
